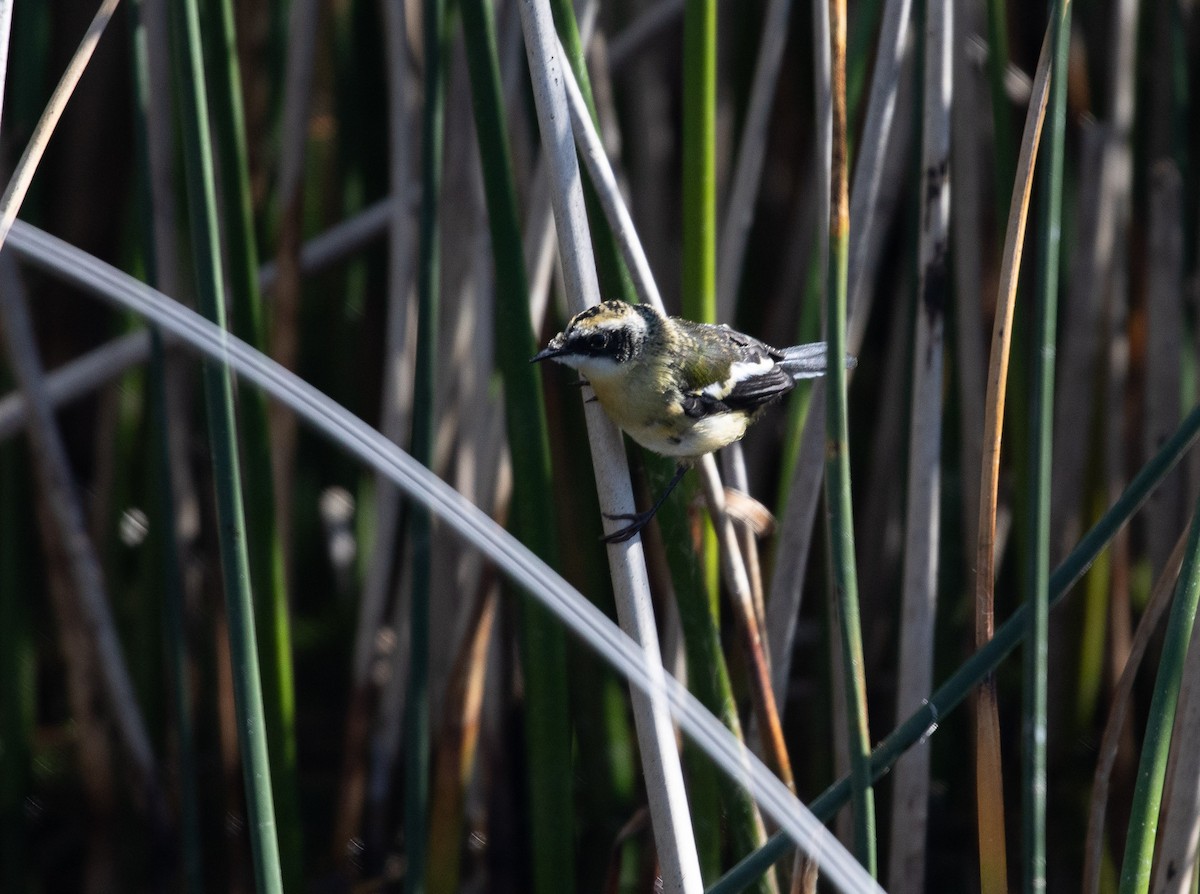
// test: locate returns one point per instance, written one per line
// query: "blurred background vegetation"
(328, 155)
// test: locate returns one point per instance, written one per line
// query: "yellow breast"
(658, 423)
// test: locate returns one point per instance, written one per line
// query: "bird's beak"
(554, 349)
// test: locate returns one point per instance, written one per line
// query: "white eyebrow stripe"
(630, 322)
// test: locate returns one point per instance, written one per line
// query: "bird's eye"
(598, 340)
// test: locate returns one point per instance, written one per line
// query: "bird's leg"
(639, 520)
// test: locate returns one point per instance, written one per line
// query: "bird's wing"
(750, 378)
(752, 389)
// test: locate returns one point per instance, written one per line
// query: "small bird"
(679, 388)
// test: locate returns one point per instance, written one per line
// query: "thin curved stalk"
(530, 573)
(1152, 767)
(101, 365)
(762, 696)
(6, 11)
(22, 176)
(218, 393)
(924, 721)
(1175, 871)
(1121, 702)
(988, 781)
(1041, 419)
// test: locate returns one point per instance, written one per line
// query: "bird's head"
(605, 341)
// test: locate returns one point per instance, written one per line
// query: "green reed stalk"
(1156, 746)
(1041, 427)
(837, 463)
(218, 393)
(953, 692)
(700, 160)
(173, 625)
(544, 649)
(697, 595)
(615, 281)
(265, 544)
(416, 706)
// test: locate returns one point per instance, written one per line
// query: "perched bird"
(679, 388)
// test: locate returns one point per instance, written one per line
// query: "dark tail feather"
(808, 361)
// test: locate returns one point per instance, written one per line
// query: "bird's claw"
(637, 521)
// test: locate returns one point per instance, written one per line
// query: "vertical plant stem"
(699, 160)
(1180, 824)
(303, 19)
(660, 758)
(614, 275)
(699, 287)
(265, 545)
(1152, 767)
(459, 739)
(910, 804)
(701, 625)
(218, 394)
(698, 283)
(1037, 570)
(6, 11)
(870, 200)
(1165, 335)
(752, 150)
(837, 463)
(174, 628)
(22, 176)
(989, 790)
(396, 401)
(1121, 703)
(175, 631)
(544, 648)
(986, 659)
(416, 706)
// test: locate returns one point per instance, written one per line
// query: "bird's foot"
(637, 521)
